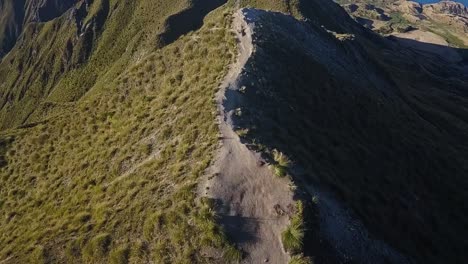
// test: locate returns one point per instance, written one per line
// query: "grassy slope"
(113, 179)
(50, 63)
(110, 177)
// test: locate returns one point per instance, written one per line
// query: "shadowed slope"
(368, 124)
(187, 20)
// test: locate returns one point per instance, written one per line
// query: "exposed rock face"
(410, 7)
(452, 14)
(447, 7)
(368, 10)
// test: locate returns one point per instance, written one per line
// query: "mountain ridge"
(117, 145)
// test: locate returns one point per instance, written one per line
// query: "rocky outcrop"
(368, 11)
(452, 14)
(447, 7)
(410, 7)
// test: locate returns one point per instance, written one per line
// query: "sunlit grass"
(113, 180)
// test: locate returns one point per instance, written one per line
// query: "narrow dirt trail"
(252, 202)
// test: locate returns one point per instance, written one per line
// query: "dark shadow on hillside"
(365, 22)
(240, 228)
(188, 20)
(434, 52)
(53, 8)
(5, 142)
(381, 127)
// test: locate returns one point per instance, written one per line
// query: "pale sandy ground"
(245, 188)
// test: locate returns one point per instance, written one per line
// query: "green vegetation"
(120, 255)
(38, 256)
(281, 165)
(97, 247)
(291, 6)
(242, 132)
(52, 65)
(232, 254)
(300, 259)
(445, 32)
(398, 19)
(112, 178)
(398, 23)
(293, 236)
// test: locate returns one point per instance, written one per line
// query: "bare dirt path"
(250, 198)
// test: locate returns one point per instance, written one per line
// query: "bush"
(232, 254)
(282, 163)
(300, 259)
(279, 171)
(293, 236)
(281, 159)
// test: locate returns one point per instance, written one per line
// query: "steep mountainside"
(58, 61)
(227, 131)
(16, 14)
(373, 123)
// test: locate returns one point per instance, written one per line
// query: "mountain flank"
(247, 131)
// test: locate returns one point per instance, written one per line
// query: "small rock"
(279, 210)
(260, 163)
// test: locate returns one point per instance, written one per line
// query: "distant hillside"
(444, 23)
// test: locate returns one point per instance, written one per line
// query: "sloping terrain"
(16, 14)
(58, 61)
(254, 206)
(139, 132)
(112, 178)
(363, 122)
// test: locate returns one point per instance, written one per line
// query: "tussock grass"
(281, 159)
(282, 163)
(113, 180)
(120, 255)
(38, 256)
(242, 132)
(50, 65)
(98, 247)
(232, 254)
(292, 237)
(300, 259)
